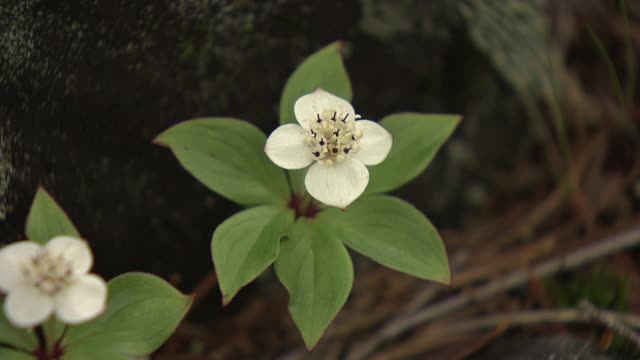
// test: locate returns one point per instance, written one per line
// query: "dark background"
(87, 85)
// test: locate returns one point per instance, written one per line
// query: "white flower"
(41, 280)
(340, 146)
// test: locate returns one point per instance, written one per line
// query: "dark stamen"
(322, 142)
(316, 154)
(353, 137)
(335, 150)
(345, 118)
(346, 150)
(319, 119)
(337, 132)
(334, 116)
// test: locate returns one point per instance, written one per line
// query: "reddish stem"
(41, 354)
(302, 207)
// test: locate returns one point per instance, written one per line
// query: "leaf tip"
(226, 300)
(445, 280)
(190, 302)
(445, 277)
(228, 295)
(339, 44)
(310, 343)
(42, 191)
(158, 140)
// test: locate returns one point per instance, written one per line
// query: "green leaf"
(142, 312)
(393, 233)
(246, 244)
(84, 354)
(323, 69)
(316, 269)
(416, 140)
(11, 354)
(227, 155)
(46, 219)
(23, 339)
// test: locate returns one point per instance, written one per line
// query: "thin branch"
(446, 334)
(536, 317)
(481, 343)
(204, 287)
(612, 322)
(571, 261)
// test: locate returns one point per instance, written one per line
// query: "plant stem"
(51, 335)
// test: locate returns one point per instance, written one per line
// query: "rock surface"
(86, 85)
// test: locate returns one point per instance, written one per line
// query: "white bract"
(340, 146)
(42, 280)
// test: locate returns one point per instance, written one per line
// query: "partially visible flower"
(340, 146)
(42, 280)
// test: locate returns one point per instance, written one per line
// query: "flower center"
(333, 136)
(48, 273)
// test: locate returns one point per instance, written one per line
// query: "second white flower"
(41, 280)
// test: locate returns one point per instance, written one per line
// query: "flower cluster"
(330, 134)
(42, 280)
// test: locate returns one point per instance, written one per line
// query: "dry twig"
(612, 322)
(203, 289)
(443, 335)
(573, 260)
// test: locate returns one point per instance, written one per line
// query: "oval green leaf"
(322, 69)
(46, 219)
(84, 354)
(11, 354)
(227, 155)
(142, 312)
(244, 245)
(316, 269)
(23, 339)
(416, 140)
(394, 233)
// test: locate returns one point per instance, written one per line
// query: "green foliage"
(309, 256)
(323, 69)
(10, 354)
(316, 269)
(86, 353)
(227, 156)
(416, 140)
(246, 244)
(623, 348)
(23, 339)
(603, 288)
(142, 312)
(393, 233)
(46, 219)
